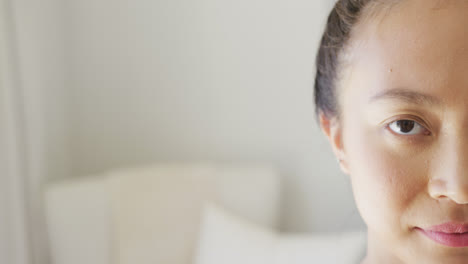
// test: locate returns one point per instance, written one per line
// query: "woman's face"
(410, 63)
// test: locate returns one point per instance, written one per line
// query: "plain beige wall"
(205, 80)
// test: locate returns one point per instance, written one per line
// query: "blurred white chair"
(151, 214)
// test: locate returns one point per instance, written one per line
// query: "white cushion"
(156, 212)
(228, 238)
(78, 217)
(347, 247)
(252, 191)
(151, 214)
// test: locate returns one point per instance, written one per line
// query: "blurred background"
(92, 86)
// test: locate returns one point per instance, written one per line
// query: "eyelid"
(414, 119)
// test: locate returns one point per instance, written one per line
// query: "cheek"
(385, 179)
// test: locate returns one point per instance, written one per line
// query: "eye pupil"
(405, 125)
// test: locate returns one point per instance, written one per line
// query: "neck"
(377, 252)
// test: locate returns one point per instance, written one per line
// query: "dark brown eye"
(406, 127)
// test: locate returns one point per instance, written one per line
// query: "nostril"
(457, 195)
(455, 190)
(437, 189)
(461, 196)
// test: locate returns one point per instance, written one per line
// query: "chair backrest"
(151, 214)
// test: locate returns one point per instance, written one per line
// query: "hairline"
(377, 11)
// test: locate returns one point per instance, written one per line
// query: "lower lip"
(447, 239)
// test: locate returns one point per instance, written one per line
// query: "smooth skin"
(409, 62)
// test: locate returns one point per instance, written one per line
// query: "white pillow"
(227, 238)
(156, 212)
(77, 213)
(340, 248)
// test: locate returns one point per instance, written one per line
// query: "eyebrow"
(406, 96)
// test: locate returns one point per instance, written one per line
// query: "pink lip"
(450, 234)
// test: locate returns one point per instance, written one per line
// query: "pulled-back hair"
(341, 20)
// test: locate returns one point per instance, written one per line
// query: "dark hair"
(341, 20)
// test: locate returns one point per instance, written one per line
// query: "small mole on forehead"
(390, 70)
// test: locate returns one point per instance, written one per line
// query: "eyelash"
(425, 130)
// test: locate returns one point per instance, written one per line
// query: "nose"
(440, 189)
(450, 178)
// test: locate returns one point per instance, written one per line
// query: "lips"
(450, 227)
(449, 234)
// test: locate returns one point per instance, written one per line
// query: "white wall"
(114, 83)
(206, 80)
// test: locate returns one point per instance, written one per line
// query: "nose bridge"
(451, 178)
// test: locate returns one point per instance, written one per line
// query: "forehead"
(419, 44)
